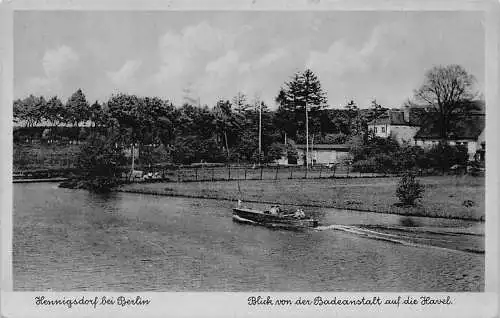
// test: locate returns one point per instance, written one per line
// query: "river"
(73, 240)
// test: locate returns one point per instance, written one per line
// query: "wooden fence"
(244, 172)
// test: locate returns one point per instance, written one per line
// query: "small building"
(468, 131)
(398, 124)
(319, 154)
(127, 151)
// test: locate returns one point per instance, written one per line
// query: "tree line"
(228, 131)
(225, 132)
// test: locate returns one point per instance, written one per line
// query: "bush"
(408, 157)
(376, 155)
(291, 152)
(384, 163)
(99, 164)
(443, 156)
(378, 163)
(275, 151)
(409, 190)
(339, 138)
(364, 166)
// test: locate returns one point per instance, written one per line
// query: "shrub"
(275, 151)
(339, 138)
(364, 166)
(291, 152)
(409, 189)
(408, 222)
(99, 164)
(444, 156)
(384, 163)
(407, 157)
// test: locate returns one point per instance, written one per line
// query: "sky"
(216, 54)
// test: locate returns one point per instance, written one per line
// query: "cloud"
(275, 55)
(219, 77)
(57, 63)
(362, 72)
(339, 59)
(191, 58)
(188, 51)
(223, 64)
(360, 55)
(125, 76)
(215, 62)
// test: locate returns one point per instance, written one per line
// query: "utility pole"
(260, 131)
(307, 139)
(312, 150)
(132, 151)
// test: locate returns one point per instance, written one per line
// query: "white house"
(396, 124)
(318, 154)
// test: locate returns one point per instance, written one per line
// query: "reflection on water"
(73, 240)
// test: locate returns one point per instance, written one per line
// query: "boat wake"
(240, 219)
(398, 237)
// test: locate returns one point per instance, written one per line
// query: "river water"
(73, 240)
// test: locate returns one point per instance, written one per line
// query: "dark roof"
(391, 117)
(469, 127)
(340, 147)
(476, 107)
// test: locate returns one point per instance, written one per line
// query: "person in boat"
(299, 214)
(239, 203)
(275, 210)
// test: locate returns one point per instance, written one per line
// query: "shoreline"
(39, 180)
(448, 198)
(201, 196)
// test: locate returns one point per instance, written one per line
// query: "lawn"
(444, 195)
(41, 156)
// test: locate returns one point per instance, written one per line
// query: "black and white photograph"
(249, 151)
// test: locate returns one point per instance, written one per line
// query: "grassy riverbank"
(445, 196)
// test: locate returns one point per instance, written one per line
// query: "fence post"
(291, 172)
(320, 171)
(305, 174)
(196, 173)
(178, 174)
(276, 175)
(245, 172)
(229, 172)
(261, 171)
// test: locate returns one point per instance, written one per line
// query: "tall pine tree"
(303, 89)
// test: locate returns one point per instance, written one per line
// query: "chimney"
(406, 112)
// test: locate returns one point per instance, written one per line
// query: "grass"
(55, 156)
(249, 173)
(461, 197)
(40, 156)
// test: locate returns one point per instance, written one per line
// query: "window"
(375, 129)
(383, 129)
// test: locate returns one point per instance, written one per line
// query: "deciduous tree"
(449, 89)
(77, 108)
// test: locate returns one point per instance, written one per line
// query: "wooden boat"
(265, 218)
